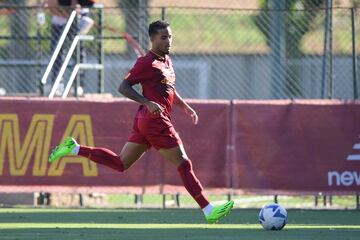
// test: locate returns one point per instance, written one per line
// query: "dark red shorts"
(155, 132)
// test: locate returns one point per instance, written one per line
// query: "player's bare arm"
(180, 102)
(126, 89)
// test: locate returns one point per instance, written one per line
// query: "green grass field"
(37, 223)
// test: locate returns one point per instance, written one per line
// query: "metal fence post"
(163, 9)
(354, 57)
(143, 18)
(39, 54)
(100, 50)
(78, 59)
(324, 60)
(331, 80)
(277, 46)
(327, 71)
(78, 76)
(39, 59)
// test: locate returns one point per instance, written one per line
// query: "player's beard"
(166, 50)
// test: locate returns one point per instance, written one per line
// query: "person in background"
(85, 20)
(60, 10)
(85, 23)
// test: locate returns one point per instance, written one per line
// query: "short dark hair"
(157, 25)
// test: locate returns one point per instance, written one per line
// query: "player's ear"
(152, 37)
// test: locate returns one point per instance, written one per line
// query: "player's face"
(161, 42)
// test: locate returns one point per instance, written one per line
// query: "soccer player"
(152, 123)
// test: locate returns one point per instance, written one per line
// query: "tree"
(297, 22)
(136, 14)
(18, 47)
(296, 17)
(19, 29)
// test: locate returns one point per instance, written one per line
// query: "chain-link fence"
(217, 53)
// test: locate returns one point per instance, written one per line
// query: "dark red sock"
(192, 184)
(103, 156)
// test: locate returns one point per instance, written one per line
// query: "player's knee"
(186, 165)
(127, 161)
(184, 157)
(179, 160)
(126, 165)
(183, 154)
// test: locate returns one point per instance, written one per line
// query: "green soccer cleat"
(63, 149)
(219, 212)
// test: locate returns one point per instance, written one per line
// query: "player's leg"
(178, 157)
(130, 153)
(133, 149)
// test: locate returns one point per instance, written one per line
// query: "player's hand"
(153, 107)
(191, 112)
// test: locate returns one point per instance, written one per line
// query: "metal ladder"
(65, 64)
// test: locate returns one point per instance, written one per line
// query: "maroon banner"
(258, 146)
(30, 128)
(297, 146)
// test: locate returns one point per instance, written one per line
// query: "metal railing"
(73, 75)
(58, 47)
(78, 66)
(65, 64)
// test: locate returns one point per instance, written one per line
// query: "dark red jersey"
(157, 78)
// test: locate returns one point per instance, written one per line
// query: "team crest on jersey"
(167, 81)
(169, 76)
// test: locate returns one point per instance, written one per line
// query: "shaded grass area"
(30, 223)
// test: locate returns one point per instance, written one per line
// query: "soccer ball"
(273, 217)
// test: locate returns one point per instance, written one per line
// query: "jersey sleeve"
(140, 72)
